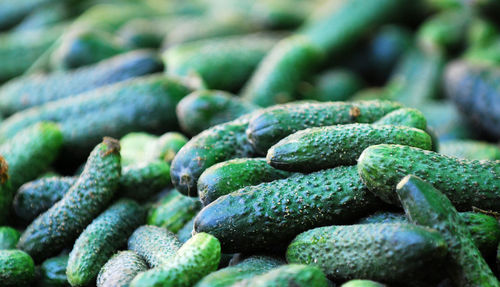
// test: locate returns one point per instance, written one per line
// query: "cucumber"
(16, 268)
(203, 109)
(327, 147)
(155, 244)
(198, 257)
(59, 226)
(223, 63)
(167, 146)
(8, 237)
(362, 283)
(37, 196)
(35, 90)
(226, 177)
(474, 90)
(135, 147)
(262, 216)
(248, 268)
(173, 211)
(31, 151)
(121, 269)
(147, 33)
(271, 125)
(384, 217)
(288, 275)
(142, 180)
(467, 183)
(481, 32)
(404, 117)
(386, 252)
(146, 104)
(427, 206)
(5, 191)
(106, 234)
(12, 12)
(186, 231)
(53, 272)
(470, 149)
(277, 76)
(332, 85)
(44, 17)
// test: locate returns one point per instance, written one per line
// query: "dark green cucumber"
(262, 216)
(148, 33)
(223, 63)
(226, 177)
(276, 79)
(467, 183)
(386, 252)
(287, 275)
(425, 205)
(106, 234)
(186, 231)
(31, 151)
(5, 191)
(332, 85)
(121, 269)
(362, 283)
(142, 180)
(404, 117)
(206, 108)
(198, 257)
(135, 147)
(474, 90)
(155, 244)
(146, 104)
(35, 90)
(271, 125)
(37, 196)
(62, 223)
(470, 149)
(173, 211)
(167, 146)
(16, 268)
(53, 272)
(8, 237)
(248, 268)
(327, 147)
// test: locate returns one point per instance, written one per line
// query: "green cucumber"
(226, 177)
(8, 237)
(287, 275)
(155, 244)
(12, 11)
(332, 85)
(53, 272)
(427, 206)
(44, 17)
(362, 283)
(142, 180)
(248, 268)
(271, 125)
(470, 149)
(106, 234)
(198, 257)
(121, 269)
(5, 191)
(167, 146)
(16, 268)
(135, 147)
(148, 33)
(467, 183)
(262, 216)
(404, 117)
(327, 147)
(173, 211)
(59, 226)
(386, 252)
(206, 108)
(186, 231)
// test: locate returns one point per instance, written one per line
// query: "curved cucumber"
(404, 117)
(226, 177)
(467, 183)
(53, 272)
(16, 268)
(8, 237)
(121, 269)
(288, 275)
(142, 180)
(470, 149)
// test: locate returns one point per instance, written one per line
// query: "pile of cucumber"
(235, 143)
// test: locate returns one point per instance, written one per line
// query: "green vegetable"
(136, 147)
(362, 283)
(53, 272)
(12, 11)
(287, 275)
(332, 85)
(404, 117)
(142, 180)
(8, 237)
(16, 268)
(470, 149)
(167, 146)
(155, 244)
(5, 191)
(186, 231)
(121, 269)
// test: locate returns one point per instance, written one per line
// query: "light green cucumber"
(287, 275)
(8, 237)
(121, 269)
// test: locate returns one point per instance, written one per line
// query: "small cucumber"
(226, 177)
(404, 117)
(470, 149)
(362, 283)
(142, 180)
(8, 237)
(121, 269)
(287, 275)
(135, 147)
(155, 244)
(332, 85)
(16, 268)
(53, 272)
(167, 146)
(386, 252)
(467, 183)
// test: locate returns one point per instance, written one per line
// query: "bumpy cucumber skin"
(474, 89)
(332, 85)
(327, 147)
(250, 267)
(425, 205)
(383, 252)
(38, 89)
(16, 268)
(467, 183)
(186, 231)
(121, 269)
(173, 211)
(5, 190)
(362, 283)
(62, 223)
(217, 144)
(142, 180)
(287, 275)
(53, 272)
(167, 146)
(198, 257)
(37, 196)
(8, 237)
(155, 244)
(257, 217)
(31, 151)
(271, 125)
(404, 117)
(226, 177)
(146, 104)
(206, 108)
(470, 149)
